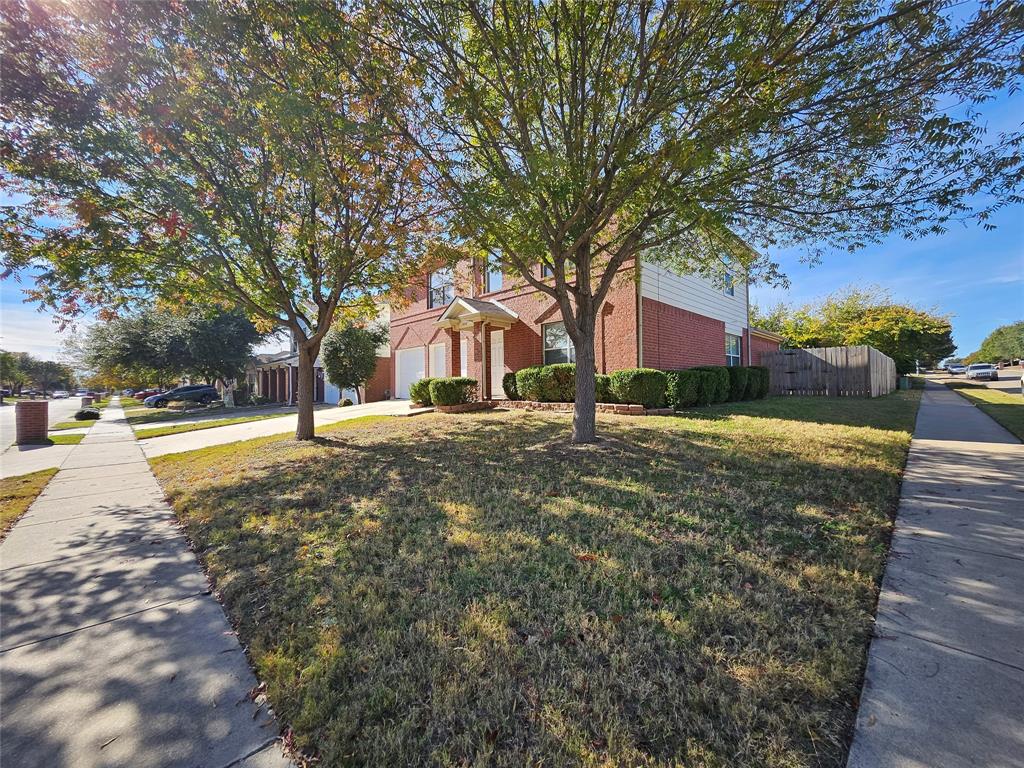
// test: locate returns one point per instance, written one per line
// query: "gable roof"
(463, 312)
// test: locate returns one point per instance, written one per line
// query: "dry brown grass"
(470, 590)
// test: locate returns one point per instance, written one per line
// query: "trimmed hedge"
(558, 383)
(739, 378)
(452, 390)
(683, 387)
(528, 382)
(419, 391)
(644, 386)
(547, 383)
(508, 383)
(721, 387)
(603, 388)
(757, 388)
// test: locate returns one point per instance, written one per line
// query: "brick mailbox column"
(31, 417)
(86, 402)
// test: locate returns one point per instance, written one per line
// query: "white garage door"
(409, 364)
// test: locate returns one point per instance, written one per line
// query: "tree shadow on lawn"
(477, 591)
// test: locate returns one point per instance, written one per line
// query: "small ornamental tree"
(206, 153)
(349, 354)
(581, 136)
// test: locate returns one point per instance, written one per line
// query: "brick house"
(474, 321)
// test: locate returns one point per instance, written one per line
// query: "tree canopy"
(21, 369)
(1005, 343)
(857, 316)
(582, 135)
(157, 346)
(206, 152)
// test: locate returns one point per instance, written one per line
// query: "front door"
(497, 364)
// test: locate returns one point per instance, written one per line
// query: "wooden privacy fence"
(860, 371)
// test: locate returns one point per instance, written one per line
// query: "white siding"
(696, 294)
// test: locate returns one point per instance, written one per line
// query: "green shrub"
(683, 388)
(644, 386)
(721, 386)
(739, 377)
(87, 414)
(603, 388)
(763, 381)
(557, 383)
(419, 391)
(753, 383)
(452, 390)
(528, 382)
(345, 403)
(508, 383)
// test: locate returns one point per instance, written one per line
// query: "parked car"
(196, 393)
(60, 394)
(956, 369)
(81, 393)
(983, 371)
(142, 394)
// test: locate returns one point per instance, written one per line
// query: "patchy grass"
(1005, 407)
(72, 424)
(174, 429)
(472, 590)
(145, 415)
(17, 494)
(59, 439)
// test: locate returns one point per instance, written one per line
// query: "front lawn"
(59, 439)
(1005, 407)
(173, 429)
(472, 590)
(18, 493)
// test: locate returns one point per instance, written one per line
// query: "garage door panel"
(410, 367)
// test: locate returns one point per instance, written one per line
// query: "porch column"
(454, 351)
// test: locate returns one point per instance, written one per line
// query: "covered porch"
(475, 343)
(278, 380)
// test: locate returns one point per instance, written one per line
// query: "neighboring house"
(475, 321)
(276, 376)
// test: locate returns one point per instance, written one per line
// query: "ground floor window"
(733, 350)
(558, 346)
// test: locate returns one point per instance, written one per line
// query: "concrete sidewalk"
(113, 652)
(232, 433)
(945, 678)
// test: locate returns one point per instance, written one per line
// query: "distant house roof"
(767, 335)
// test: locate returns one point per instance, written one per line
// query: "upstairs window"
(730, 285)
(546, 271)
(441, 287)
(493, 277)
(733, 350)
(558, 346)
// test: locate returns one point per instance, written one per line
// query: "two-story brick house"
(475, 321)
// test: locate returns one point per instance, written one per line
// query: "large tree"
(1004, 343)
(205, 152)
(158, 345)
(908, 334)
(582, 135)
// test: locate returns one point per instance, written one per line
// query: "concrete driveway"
(232, 433)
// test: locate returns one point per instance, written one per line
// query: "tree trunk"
(307, 358)
(584, 427)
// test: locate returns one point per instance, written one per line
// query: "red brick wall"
(759, 345)
(677, 338)
(412, 325)
(31, 418)
(375, 388)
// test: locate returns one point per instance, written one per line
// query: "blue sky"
(976, 276)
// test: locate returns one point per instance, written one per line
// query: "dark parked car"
(196, 393)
